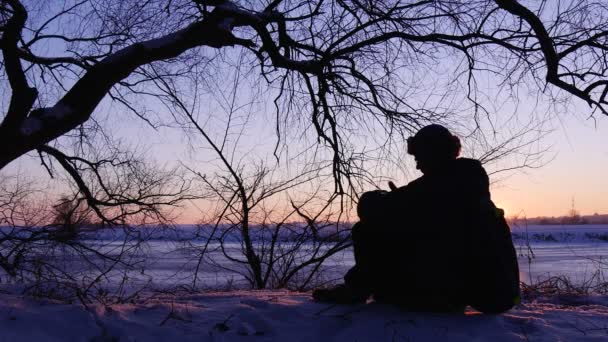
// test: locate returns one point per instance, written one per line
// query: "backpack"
(495, 276)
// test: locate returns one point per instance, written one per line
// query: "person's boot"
(340, 294)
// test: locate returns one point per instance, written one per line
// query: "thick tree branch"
(23, 96)
(145, 189)
(75, 108)
(546, 42)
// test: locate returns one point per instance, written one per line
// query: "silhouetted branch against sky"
(344, 65)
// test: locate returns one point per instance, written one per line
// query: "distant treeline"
(564, 220)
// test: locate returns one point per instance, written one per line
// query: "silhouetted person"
(436, 244)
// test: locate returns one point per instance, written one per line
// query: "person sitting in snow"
(437, 244)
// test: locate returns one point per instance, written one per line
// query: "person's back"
(437, 243)
(453, 243)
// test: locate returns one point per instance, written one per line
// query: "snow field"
(289, 316)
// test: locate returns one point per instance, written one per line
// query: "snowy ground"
(578, 253)
(288, 316)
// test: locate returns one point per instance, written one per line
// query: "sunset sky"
(577, 171)
(576, 166)
(576, 157)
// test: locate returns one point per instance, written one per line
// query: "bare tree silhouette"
(346, 59)
(45, 244)
(338, 69)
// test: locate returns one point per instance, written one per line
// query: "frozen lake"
(579, 252)
(579, 261)
(569, 253)
(169, 259)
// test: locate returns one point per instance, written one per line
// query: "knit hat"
(434, 142)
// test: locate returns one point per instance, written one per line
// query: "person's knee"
(371, 204)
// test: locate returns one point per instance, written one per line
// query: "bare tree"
(120, 188)
(275, 248)
(74, 249)
(257, 207)
(70, 215)
(15, 194)
(341, 71)
(343, 63)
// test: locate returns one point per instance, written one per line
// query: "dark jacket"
(448, 242)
